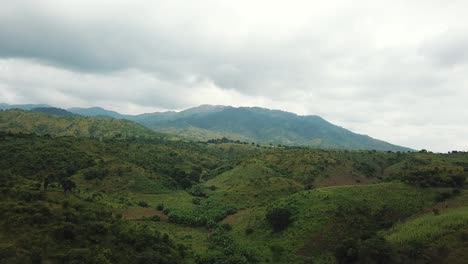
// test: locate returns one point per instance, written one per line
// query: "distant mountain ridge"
(96, 111)
(252, 124)
(53, 111)
(4, 106)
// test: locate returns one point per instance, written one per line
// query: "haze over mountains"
(251, 124)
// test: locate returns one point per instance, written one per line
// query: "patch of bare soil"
(135, 212)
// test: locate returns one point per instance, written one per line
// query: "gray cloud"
(395, 71)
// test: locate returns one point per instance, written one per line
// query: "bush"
(458, 180)
(160, 207)
(279, 218)
(249, 231)
(155, 218)
(96, 173)
(226, 227)
(143, 204)
(443, 196)
(196, 201)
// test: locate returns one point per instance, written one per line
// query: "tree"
(458, 180)
(46, 183)
(279, 218)
(67, 185)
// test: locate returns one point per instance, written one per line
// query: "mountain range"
(250, 124)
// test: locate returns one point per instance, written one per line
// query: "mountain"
(96, 111)
(268, 126)
(53, 111)
(4, 106)
(21, 121)
(251, 124)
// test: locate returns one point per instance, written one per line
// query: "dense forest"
(101, 190)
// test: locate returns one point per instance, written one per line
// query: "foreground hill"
(144, 200)
(20, 121)
(252, 124)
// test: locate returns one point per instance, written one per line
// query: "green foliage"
(279, 218)
(19, 121)
(67, 185)
(96, 173)
(143, 204)
(253, 124)
(370, 250)
(438, 237)
(79, 232)
(215, 198)
(226, 250)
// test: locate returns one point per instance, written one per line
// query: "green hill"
(141, 198)
(252, 124)
(20, 121)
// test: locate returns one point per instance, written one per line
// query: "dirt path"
(136, 212)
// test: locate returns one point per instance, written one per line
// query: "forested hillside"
(82, 199)
(252, 124)
(41, 123)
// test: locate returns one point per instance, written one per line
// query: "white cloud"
(394, 70)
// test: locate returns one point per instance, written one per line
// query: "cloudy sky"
(395, 70)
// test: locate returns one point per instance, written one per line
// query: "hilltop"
(56, 122)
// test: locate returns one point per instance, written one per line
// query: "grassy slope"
(246, 177)
(316, 227)
(200, 134)
(19, 121)
(440, 237)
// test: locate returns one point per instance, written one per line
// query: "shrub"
(143, 204)
(160, 207)
(96, 173)
(196, 201)
(166, 211)
(279, 218)
(226, 227)
(249, 231)
(458, 180)
(443, 196)
(155, 218)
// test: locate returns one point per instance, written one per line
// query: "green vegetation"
(20, 121)
(85, 198)
(250, 124)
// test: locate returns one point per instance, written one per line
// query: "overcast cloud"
(395, 70)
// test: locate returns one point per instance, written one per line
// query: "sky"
(395, 70)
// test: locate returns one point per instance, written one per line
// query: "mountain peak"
(254, 124)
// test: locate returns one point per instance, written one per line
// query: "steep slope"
(273, 126)
(20, 121)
